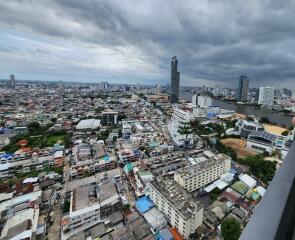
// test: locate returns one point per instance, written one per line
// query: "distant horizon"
(132, 84)
(128, 41)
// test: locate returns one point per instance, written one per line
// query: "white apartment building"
(266, 96)
(209, 168)
(84, 211)
(201, 101)
(181, 210)
(179, 119)
(204, 101)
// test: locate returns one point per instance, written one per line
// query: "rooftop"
(88, 124)
(177, 196)
(107, 189)
(83, 197)
(262, 134)
(200, 166)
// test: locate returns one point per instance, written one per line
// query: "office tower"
(174, 81)
(266, 95)
(12, 80)
(242, 93)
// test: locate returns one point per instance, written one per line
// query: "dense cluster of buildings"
(124, 162)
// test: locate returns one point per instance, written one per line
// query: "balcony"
(274, 217)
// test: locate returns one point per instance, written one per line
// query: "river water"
(274, 117)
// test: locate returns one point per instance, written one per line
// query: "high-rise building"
(158, 89)
(195, 100)
(183, 212)
(242, 93)
(175, 76)
(277, 92)
(180, 119)
(204, 101)
(287, 92)
(266, 95)
(12, 80)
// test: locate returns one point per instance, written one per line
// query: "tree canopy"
(231, 229)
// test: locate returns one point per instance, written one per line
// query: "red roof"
(229, 196)
(176, 234)
(22, 142)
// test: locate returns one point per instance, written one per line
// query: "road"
(54, 232)
(129, 195)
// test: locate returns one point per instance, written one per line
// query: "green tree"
(264, 120)
(185, 129)
(250, 119)
(285, 133)
(231, 229)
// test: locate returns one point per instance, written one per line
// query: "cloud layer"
(132, 41)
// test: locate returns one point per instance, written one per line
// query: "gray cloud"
(133, 40)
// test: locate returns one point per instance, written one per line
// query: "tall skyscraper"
(12, 80)
(242, 93)
(266, 95)
(158, 89)
(175, 76)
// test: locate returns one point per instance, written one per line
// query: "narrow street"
(54, 232)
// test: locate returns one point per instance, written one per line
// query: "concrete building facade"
(266, 96)
(181, 210)
(196, 176)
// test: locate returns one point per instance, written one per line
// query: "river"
(274, 117)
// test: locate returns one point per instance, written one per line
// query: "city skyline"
(130, 43)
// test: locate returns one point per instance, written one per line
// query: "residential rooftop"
(208, 161)
(181, 200)
(83, 197)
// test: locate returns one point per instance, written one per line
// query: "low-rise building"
(84, 211)
(20, 216)
(262, 141)
(246, 127)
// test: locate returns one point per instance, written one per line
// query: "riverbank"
(274, 117)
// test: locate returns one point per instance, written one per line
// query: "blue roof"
(6, 156)
(106, 157)
(144, 204)
(209, 114)
(165, 234)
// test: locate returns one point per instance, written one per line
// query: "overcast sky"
(130, 41)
